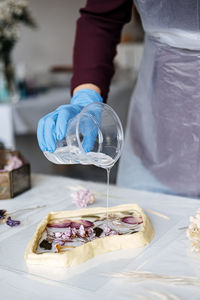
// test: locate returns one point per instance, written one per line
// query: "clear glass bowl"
(95, 136)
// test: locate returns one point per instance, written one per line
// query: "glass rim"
(115, 116)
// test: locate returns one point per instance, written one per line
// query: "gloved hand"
(54, 125)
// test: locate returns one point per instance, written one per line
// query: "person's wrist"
(85, 96)
(89, 86)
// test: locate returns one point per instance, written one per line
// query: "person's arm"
(97, 35)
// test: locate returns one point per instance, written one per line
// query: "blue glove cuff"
(85, 96)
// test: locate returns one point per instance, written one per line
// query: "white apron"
(162, 141)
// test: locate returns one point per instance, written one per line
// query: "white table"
(167, 254)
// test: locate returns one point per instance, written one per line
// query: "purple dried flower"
(132, 220)
(75, 225)
(83, 197)
(12, 223)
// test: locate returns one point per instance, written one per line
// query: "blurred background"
(35, 72)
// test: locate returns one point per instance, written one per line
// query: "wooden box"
(13, 182)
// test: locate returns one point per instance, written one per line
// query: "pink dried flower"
(83, 197)
(113, 232)
(67, 234)
(13, 163)
(106, 229)
(81, 231)
(58, 234)
(59, 242)
(90, 231)
(74, 231)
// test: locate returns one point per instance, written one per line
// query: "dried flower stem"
(26, 209)
(144, 276)
(157, 214)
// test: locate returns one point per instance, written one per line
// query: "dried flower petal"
(90, 232)
(11, 222)
(106, 229)
(132, 220)
(59, 224)
(81, 231)
(113, 232)
(58, 234)
(74, 232)
(13, 163)
(59, 242)
(67, 234)
(86, 223)
(78, 223)
(75, 225)
(83, 197)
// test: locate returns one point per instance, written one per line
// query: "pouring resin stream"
(98, 128)
(73, 155)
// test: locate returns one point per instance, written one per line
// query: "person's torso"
(164, 119)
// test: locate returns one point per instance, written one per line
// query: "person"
(162, 142)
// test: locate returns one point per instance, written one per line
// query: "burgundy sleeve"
(97, 35)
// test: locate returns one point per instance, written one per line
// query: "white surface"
(167, 254)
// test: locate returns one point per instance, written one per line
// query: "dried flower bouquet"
(12, 14)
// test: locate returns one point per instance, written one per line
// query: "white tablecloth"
(167, 254)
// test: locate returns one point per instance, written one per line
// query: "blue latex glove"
(54, 125)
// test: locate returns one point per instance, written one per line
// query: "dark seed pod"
(98, 231)
(46, 245)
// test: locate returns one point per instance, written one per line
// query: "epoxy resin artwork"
(71, 237)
